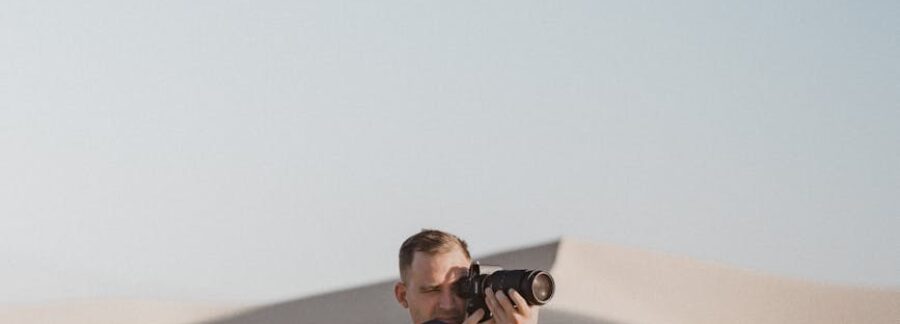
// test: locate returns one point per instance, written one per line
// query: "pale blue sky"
(251, 151)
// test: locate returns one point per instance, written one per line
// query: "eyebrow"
(462, 272)
(429, 287)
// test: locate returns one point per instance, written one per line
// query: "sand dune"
(609, 284)
(596, 284)
(113, 312)
(635, 286)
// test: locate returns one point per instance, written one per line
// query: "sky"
(256, 151)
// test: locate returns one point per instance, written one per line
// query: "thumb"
(474, 317)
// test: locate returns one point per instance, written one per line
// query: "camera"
(536, 286)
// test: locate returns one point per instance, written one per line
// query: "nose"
(447, 300)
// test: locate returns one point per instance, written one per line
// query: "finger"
(475, 317)
(521, 304)
(491, 301)
(505, 303)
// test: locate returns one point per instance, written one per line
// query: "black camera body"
(536, 286)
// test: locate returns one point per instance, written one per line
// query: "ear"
(400, 293)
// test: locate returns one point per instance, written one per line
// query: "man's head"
(430, 262)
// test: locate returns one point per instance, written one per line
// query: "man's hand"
(503, 310)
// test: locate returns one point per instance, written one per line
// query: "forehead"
(433, 269)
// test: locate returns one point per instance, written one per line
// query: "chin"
(450, 321)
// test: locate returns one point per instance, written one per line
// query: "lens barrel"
(535, 285)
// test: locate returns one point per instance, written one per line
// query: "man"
(430, 262)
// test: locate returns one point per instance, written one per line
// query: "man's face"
(428, 291)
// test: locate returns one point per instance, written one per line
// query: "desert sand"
(595, 283)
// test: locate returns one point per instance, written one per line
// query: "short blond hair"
(429, 241)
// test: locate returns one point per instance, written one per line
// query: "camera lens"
(542, 287)
(535, 286)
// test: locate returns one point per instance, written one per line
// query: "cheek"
(422, 305)
(422, 301)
